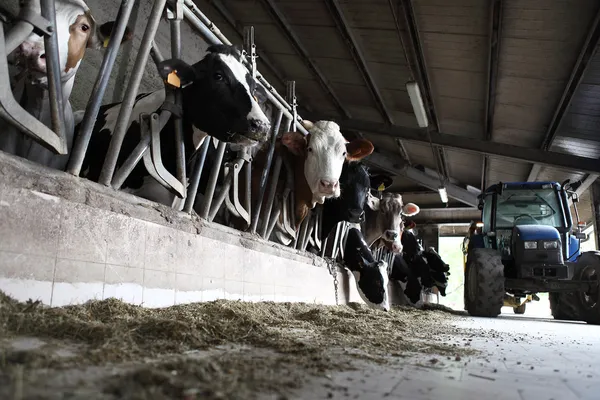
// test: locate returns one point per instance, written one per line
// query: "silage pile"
(301, 339)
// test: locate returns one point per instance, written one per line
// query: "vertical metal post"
(195, 178)
(175, 19)
(57, 113)
(250, 49)
(265, 173)
(114, 148)
(271, 196)
(155, 53)
(212, 181)
(93, 106)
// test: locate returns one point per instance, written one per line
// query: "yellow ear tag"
(381, 187)
(173, 79)
(105, 45)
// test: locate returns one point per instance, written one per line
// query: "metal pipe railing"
(57, 107)
(196, 174)
(212, 180)
(122, 123)
(93, 106)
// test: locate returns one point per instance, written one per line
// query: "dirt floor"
(216, 350)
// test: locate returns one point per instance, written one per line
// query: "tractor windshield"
(528, 207)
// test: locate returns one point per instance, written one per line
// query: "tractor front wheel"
(588, 269)
(484, 283)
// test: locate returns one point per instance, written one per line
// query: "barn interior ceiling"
(508, 95)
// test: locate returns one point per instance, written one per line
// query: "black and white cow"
(218, 101)
(371, 276)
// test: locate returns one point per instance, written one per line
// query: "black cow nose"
(255, 124)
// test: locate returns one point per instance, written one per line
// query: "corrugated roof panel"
(381, 46)
(270, 39)
(503, 170)
(356, 95)
(578, 147)
(322, 41)
(557, 175)
(461, 165)
(397, 100)
(339, 70)
(368, 14)
(455, 52)
(461, 17)
(390, 76)
(365, 113)
(307, 13)
(580, 126)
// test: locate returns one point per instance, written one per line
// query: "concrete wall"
(65, 240)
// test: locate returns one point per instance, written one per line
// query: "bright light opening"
(417, 104)
(443, 194)
(531, 245)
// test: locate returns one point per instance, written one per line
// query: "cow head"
(76, 31)
(354, 184)
(389, 220)
(372, 282)
(219, 96)
(324, 151)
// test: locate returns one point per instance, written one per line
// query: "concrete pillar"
(430, 234)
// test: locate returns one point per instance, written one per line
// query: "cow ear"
(358, 149)
(372, 202)
(410, 209)
(295, 143)
(307, 124)
(101, 36)
(176, 72)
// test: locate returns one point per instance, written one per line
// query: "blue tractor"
(526, 244)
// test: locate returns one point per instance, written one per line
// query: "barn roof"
(511, 87)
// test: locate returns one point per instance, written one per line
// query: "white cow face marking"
(325, 150)
(258, 122)
(372, 283)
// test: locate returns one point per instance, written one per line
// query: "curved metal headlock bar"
(53, 139)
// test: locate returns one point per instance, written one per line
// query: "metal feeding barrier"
(262, 215)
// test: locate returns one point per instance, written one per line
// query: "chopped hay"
(295, 340)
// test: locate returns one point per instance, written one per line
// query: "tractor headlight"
(530, 245)
(551, 245)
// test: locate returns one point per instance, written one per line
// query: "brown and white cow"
(384, 219)
(76, 31)
(317, 160)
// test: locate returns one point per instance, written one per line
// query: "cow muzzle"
(33, 56)
(258, 130)
(390, 235)
(328, 187)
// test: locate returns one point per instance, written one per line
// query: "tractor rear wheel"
(588, 269)
(484, 283)
(520, 309)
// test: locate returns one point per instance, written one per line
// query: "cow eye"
(344, 154)
(310, 149)
(85, 28)
(218, 76)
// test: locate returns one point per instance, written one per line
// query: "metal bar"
(16, 115)
(55, 93)
(586, 55)
(272, 95)
(93, 106)
(212, 181)
(454, 191)
(22, 29)
(248, 194)
(195, 178)
(155, 53)
(423, 75)
(265, 173)
(271, 195)
(136, 155)
(567, 161)
(273, 221)
(122, 123)
(295, 41)
(175, 25)
(223, 193)
(300, 238)
(495, 36)
(359, 59)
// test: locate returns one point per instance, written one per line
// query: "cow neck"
(370, 215)
(35, 98)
